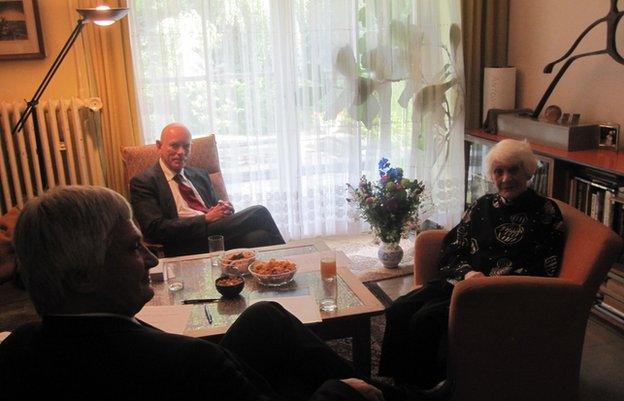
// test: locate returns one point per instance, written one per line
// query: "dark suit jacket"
(155, 210)
(114, 358)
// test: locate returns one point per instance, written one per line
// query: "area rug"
(343, 347)
(362, 250)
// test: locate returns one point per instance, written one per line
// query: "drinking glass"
(216, 247)
(329, 281)
(172, 274)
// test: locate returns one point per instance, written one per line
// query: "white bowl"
(239, 258)
(273, 279)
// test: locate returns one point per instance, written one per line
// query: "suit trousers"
(292, 359)
(249, 228)
(415, 339)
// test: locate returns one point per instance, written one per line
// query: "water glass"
(172, 274)
(216, 247)
(329, 281)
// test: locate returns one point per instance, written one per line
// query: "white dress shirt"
(182, 207)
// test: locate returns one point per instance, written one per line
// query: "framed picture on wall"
(20, 30)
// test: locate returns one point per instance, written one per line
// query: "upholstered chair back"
(204, 154)
(590, 249)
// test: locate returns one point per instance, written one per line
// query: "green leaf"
(362, 15)
(399, 33)
(365, 86)
(345, 62)
(455, 37)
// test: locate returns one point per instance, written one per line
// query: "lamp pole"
(32, 104)
(102, 16)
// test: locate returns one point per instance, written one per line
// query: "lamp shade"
(102, 16)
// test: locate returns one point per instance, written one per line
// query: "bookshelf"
(590, 180)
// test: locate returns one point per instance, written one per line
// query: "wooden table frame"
(351, 322)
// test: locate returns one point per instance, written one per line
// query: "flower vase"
(390, 254)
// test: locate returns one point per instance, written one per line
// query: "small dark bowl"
(231, 290)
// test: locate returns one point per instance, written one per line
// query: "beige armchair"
(521, 338)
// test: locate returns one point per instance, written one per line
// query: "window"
(304, 95)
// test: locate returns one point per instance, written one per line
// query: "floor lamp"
(103, 16)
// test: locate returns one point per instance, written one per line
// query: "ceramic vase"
(390, 254)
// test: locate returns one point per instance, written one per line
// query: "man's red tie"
(189, 196)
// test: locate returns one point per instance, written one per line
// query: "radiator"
(70, 143)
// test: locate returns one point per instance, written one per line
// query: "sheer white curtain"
(306, 95)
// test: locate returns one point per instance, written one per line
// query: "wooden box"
(566, 137)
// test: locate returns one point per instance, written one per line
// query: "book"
(572, 194)
(593, 205)
(613, 276)
(614, 311)
(620, 224)
(604, 313)
(607, 217)
(613, 287)
(618, 270)
(600, 199)
(605, 292)
(602, 178)
(613, 303)
(582, 190)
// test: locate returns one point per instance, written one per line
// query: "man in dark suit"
(86, 271)
(176, 205)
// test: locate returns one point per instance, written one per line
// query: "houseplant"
(390, 206)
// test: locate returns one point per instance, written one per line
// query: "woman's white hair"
(511, 151)
(61, 240)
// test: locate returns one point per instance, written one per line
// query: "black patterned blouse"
(499, 237)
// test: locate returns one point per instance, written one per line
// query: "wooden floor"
(602, 366)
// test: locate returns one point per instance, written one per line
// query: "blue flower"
(383, 164)
(393, 173)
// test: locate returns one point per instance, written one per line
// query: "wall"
(541, 31)
(19, 79)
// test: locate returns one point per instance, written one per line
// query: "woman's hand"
(473, 274)
(370, 392)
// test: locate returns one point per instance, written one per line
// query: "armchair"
(521, 338)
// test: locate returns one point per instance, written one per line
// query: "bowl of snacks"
(229, 286)
(238, 258)
(273, 272)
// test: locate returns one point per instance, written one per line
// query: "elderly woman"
(512, 232)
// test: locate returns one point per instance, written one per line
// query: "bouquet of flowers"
(390, 205)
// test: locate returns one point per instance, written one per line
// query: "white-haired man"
(513, 232)
(175, 204)
(86, 271)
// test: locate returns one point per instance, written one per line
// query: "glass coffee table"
(356, 304)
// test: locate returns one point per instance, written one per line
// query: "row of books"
(600, 199)
(601, 196)
(611, 293)
(540, 181)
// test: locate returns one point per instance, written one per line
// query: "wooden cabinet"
(591, 180)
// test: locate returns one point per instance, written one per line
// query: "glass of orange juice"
(329, 281)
